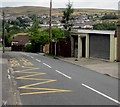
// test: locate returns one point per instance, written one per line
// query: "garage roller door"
(100, 46)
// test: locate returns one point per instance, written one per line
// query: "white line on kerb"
(9, 77)
(38, 60)
(63, 74)
(8, 71)
(101, 93)
(47, 65)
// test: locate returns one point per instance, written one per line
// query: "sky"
(99, 4)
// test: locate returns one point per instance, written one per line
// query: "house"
(19, 42)
(87, 27)
(94, 44)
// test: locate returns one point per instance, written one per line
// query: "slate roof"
(21, 39)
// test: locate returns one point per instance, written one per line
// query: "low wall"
(6, 48)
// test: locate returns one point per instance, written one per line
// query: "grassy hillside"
(44, 10)
(29, 10)
(95, 11)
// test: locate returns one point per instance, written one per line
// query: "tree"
(8, 39)
(56, 33)
(105, 26)
(67, 18)
(40, 38)
(109, 16)
(37, 38)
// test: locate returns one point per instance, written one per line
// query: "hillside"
(24, 10)
(29, 10)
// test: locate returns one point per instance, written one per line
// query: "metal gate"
(100, 46)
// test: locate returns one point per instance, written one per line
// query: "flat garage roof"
(95, 31)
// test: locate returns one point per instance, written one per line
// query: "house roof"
(20, 34)
(21, 39)
(95, 31)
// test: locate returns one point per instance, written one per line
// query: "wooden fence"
(61, 48)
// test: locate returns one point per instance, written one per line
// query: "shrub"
(28, 48)
(105, 26)
(109, 17)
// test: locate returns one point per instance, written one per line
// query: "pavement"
(4, 81)
(7, 93)
(101, 66)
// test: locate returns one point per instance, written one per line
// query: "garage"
(100, 46)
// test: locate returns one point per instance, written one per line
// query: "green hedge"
(28, 48)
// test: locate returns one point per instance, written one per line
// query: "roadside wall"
(6, 48)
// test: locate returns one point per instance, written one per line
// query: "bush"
(109, 17)
(0, 44)
(28, 48)
(105, 26)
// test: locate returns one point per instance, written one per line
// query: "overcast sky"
(100, 4)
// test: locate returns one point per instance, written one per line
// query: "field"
(24, 10)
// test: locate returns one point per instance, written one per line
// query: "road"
(42, 80)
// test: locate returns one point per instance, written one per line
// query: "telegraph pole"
(50, 20)
(3, 31)
(50, 27)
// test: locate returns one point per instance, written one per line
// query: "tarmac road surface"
(41, 80)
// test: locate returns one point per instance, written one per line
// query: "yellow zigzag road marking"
(30, 86)
(14, 62)
(25, 61)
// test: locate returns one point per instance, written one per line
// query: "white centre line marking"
(38, 60)
(47, 65)
(63, 74)
(101, 93)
